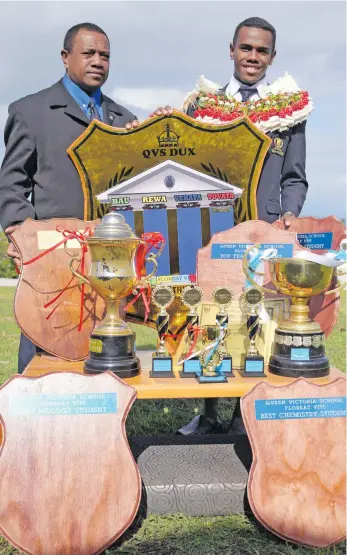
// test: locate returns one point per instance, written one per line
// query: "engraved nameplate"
(283, 409)
(63, 404)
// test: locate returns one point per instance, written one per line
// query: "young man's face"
(252, 53)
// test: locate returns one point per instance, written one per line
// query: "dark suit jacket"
(39, 129)
(282, 184)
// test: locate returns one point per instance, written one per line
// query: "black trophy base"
(299, 355)
(161, 367)
(227, 367)
(112, 353)
(254, 367)
(191, 368)
(282, 366)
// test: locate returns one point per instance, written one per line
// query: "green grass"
(178, 534)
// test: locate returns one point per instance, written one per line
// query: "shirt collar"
(79, 95)
(234, 85)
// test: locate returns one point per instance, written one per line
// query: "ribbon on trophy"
(255, 260)
(152, 240)
(68, 235)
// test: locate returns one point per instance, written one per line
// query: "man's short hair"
(71, 33)
(260, 24)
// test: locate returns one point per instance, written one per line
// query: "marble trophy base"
(298, 355)
(113, 353)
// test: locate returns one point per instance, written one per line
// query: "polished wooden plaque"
(54, 328)
(69, 483)
(107, 156)
(297, 482)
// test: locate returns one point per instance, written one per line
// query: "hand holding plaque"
(254, 362)
(223, 297)
(192, 297)
(162, 296)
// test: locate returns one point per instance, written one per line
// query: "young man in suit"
(282, 185)
(39, 129)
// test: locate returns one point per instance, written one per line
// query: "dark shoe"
(201, 425)
(237, 427)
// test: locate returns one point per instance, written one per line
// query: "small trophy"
(223, 297)
(162, 296)
(211, 361)
(254, 362)
(191, 296)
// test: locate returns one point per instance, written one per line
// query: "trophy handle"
(152, 258)
(247, 269)
(339, 287)
(81, 279)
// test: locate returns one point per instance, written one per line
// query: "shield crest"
(106, 156)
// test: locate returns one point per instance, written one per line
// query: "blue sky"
(159, 49)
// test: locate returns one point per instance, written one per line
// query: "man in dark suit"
(37, 177)
(282, 186)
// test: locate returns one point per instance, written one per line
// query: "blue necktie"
(247, 91)
(94, 114)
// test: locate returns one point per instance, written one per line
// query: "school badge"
(278, 146)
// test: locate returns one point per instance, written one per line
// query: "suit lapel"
(60, 98)
(113, 113)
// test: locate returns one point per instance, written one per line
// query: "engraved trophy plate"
(254, 362)
(162, 297)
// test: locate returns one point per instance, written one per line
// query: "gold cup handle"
(339, 287)
(247, 269)
(81, 279)
(152, 258)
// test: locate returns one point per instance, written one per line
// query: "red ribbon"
(153, 240)
(68, 235)
(196, 332)
(144, 291)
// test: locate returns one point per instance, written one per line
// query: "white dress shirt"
(234, 85)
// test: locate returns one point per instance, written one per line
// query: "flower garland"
(281, 106)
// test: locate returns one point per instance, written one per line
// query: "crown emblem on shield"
(168, 137)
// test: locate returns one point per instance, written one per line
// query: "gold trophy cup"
(298, 348)
(114, 273)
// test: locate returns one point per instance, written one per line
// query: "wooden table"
(171, 388)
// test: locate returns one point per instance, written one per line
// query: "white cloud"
(148, 98)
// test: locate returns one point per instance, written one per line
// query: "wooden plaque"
(212, 272)
(325, 308)
(297, 482)
(41, 281)
(69, 483)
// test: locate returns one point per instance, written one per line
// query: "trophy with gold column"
(192, 297)
(117, 268)
(162, 296)
(223, 297)
(254, 362)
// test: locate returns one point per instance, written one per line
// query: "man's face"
(88, 62)
(252, 53)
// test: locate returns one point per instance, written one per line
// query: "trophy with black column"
(192, 296)
(223, 297)
(254, 362)
(162, 297)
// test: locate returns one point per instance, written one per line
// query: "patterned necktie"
(247, 91)
(92, 110)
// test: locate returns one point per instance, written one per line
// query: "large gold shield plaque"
(106, 156)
